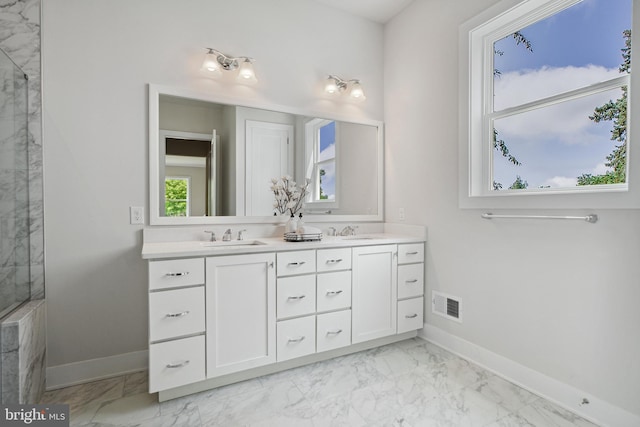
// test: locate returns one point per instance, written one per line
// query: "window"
(547, 84)
(321, 144)
(176, 190)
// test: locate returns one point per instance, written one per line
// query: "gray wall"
(98, 58)
(557, 297)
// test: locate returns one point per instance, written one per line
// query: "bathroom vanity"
(222, 312)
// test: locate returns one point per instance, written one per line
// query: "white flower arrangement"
(289, 195)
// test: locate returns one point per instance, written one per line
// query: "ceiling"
(375, 10)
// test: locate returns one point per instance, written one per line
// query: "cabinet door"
(241, 312)
(374, 287)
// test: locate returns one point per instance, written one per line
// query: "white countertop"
(181, 249)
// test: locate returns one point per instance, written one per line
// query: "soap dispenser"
(300, 227)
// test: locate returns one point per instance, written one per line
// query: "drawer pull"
(334, 292)
(173, 315)
(297, 263)
(339, 331)
(177, 365)
(294, 340)
(411, 316)
(334, 261)
(179, 274)
(411, 281)
(299, 297)
(412, 253)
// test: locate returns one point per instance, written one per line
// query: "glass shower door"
(14, 188)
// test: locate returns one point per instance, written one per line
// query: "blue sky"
(576, 47)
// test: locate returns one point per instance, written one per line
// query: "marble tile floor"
(407, 384)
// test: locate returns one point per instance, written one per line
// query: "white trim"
(562, 394)
(96, 369)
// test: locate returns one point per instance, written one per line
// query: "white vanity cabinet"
(227, 315)
(176, 323)
(375, 281)
(410, 287)
(241, 312)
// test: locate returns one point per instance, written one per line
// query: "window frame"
(312, 148)
(476, 50)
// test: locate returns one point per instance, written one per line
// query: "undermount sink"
(222, 244)
(357, 238)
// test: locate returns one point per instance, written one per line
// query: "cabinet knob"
(339, 331)
(174, 315)
(334, 292)
(298, 297)
(411, 316)
(177, 365)
(334, 261)
(411, 281)
(412, 253)
(294, 340)
(297, 263)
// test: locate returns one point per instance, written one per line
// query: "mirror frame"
(156, 90)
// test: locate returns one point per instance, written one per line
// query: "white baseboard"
(564, 395)
(96, 369)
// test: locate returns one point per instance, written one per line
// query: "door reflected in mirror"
(216, 160)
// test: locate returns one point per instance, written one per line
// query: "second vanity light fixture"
(336, 85)
(216, 61)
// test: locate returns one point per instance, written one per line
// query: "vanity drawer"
(334, 291)
(296, 296)
(296, 337)
(410, 314)
(410, 252)
(410, 280)
(333, 330)
(176, 363)
(334, 259)
(176, 313)
(175, 273)
(296, 262)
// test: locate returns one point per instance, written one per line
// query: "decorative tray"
(295, 237)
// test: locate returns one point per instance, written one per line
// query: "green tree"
(519, 184)
(615, 111)
(322, 195)
(175, 194)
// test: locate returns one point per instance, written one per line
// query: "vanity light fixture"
(216, 61)
(336, 85)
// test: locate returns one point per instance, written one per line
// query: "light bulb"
(210, 64)
(331, 87)
(357, 92)
(246, 74)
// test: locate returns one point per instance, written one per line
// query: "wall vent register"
(446, 306)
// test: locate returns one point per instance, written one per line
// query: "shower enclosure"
(14, 187)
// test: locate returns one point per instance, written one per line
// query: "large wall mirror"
(212, 160)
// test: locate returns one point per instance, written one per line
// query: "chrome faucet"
(241, 234)
(213, 235)
(348, 231)
(226, 237)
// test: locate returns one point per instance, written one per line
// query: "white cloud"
(600, 169)
(518, 87)
(567, 122)
(560, 182)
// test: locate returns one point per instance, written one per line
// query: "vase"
(292, 225)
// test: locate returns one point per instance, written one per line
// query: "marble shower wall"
(20, 39)
(22, 332)
(23, 354)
